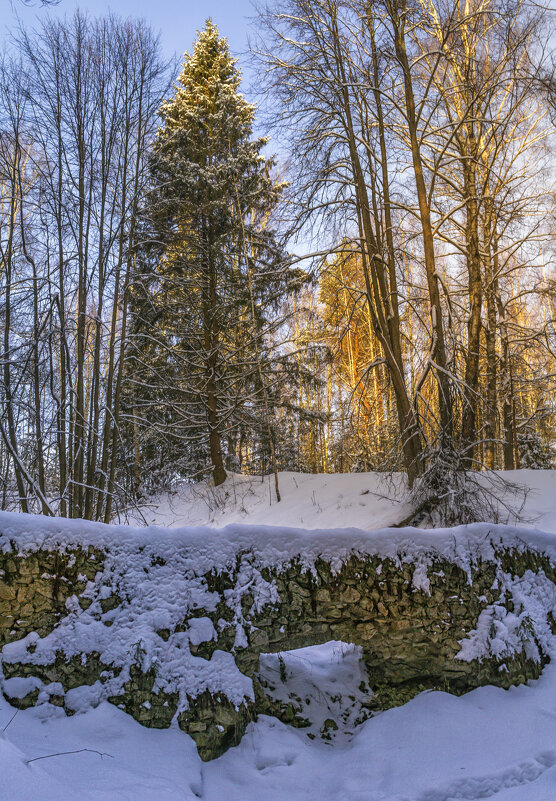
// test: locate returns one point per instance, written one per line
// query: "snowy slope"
(540, 503)
(362, 500)
(489, 743)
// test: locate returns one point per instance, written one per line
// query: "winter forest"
(355, 274)
(278, 401)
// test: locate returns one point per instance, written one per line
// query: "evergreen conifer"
(213, 269)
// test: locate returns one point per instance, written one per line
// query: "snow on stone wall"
(169, 624)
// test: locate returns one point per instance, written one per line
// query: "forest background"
(178, 303)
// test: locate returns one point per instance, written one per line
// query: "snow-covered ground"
(489, 743)
(362, 500)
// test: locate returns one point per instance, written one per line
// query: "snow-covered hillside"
(489, 743)
(362, 500)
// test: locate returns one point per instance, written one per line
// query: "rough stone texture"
(409, 635)
(34, 588)
(215, 724)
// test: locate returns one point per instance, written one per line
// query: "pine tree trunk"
(211, 353)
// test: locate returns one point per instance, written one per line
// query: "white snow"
(499, 632)
(361, 500)
(489, 743)
(323, 683)
(420, 579)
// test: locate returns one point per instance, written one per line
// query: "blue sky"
(176, 20)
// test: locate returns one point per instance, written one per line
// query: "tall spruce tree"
(212, 270)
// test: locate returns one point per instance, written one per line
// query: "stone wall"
(409, 617)
(34, 588)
